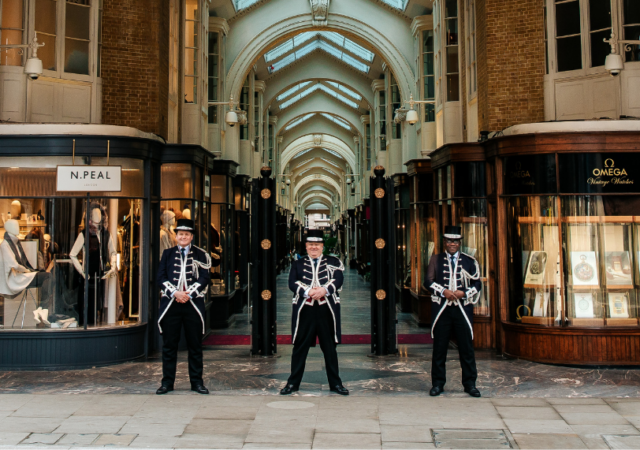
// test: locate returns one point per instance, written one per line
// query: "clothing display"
(167, 235)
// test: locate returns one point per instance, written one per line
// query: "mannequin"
(102, 259)
(167, 235)
(17, 273)
(16, 209)
(186, 213)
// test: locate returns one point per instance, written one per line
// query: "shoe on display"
(44, 315)
(36, 315)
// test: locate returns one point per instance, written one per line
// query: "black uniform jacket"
(467, 279)
(328, 274)
(193, 272)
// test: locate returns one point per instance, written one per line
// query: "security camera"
(288, 181)
(613, 64)
(412, 117)
(231, 118)
(33, 68)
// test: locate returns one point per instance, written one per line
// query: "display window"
(403, 231)
(44, 253)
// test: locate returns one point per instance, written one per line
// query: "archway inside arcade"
(324, 93)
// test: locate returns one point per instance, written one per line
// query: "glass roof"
(272, 56)
(398, 4)
(298, 121)
(340, 97)
(339, 121)
(330, 162)
(242, 4)
(332, 152)
(303, 152)
(290, 101)
(346, 90)
(303, 163)
(294, 89)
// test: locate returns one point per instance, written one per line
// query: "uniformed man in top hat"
(315, 281)
(184, 278)
(453, 278)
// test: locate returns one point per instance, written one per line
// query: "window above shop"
(398, 4)
(242, 4)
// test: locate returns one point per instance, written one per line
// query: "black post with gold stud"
(383, 263)
(263, 261)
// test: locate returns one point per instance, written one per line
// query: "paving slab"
(523, 426)
(53, 405)
(93, 424)
(576, 401)
(347, 440)
(347, 424)
(280, 446)
(594, 418)
(12, 438)
(626, 408)
(78, 439)
(405, 433)
(142, 427)
(219, 427)
(42, 438)
(114, 440)
(584, 409)
(621, 441)
(519, 401)
(266, 433)
(29, 424)
(594, 431)
(208, 441)
(528, 412)
(537, 441)
(12, 402)
(154, 442)
(112, 405)
(227, 412)
(407, 445)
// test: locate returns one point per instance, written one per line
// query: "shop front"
(569, 243)
(403, 248)
(76, 291)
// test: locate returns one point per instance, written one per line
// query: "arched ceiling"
(330, 144)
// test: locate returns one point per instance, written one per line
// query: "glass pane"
(191, 34)
(429, 85)
(633, 33)
(452, 32)
(599, 14)
(428, 64)
(569, 54)
(190, 62)
(430, 113)
(76, 57)
(47, 53)
(9, 56)
(427, 37)
(453, 88)
(452, 59)
(176, 181)
(631, 11)
(599, 48)
(191, 7)
(12, 15)
(451, 8)
(45, 17)
(213, 43)
(567, 18)
(213, 114)
(77, 21)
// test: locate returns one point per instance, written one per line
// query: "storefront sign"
(89, 179)
(596, 173)
(532, 174)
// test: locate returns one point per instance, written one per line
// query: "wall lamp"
(613, 63)
(234, 115)
(33, 66)
(410, 115)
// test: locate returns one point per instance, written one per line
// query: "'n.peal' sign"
(89, 179)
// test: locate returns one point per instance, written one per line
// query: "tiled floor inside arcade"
(524, 405)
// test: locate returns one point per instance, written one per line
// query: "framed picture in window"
(535, 270)
(618, 272)
(583, 305)
(584, 269)
(540, 304)
(618, 305)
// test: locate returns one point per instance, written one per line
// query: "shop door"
(382, 243)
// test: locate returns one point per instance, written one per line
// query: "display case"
(242, 201)
(403, 247)
(570, 247)
(423, 238)
(362, 221)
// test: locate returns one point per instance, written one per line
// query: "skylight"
(303, 163)
(329, 170)
(337, 120)
(291, 45)
(399, 4)
(332, 152)
(242, 4)
(330, 162)
(348, 44)
(297, 97)
(346, 90)
(340, 97)
(298, 121)
(294, 89)
(303, 152)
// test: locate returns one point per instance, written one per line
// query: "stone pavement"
(189, 420)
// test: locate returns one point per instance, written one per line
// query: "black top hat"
(315, 236)
(452, 232)
(185, 225)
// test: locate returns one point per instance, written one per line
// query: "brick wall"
(511, 63)
(135, 57)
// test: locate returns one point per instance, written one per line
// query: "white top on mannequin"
(186, 214)
(167, 236)
(96, 218)
(14, 277)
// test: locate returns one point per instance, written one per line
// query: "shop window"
(396, 103)
(12, 18)
(45, 26)
(367, 132)
(546, 39)
(382, 119)
(256, 121)
(451, 43)
(214, 75)
(99, 61)
(77, 38)
(568, 39)
(191, 49)
(437, 59)
(42, 235)
(599, 29)
(470, 48)
(631, 25)
(244, 106)
(428, 75)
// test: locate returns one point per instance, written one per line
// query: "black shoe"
(472, 391)
(164, 389)
(288, 389)
(436, 390)
(340, 389)
(200, 389)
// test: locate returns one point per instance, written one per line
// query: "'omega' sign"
(522, 174)
(609, 175)
(89, 179)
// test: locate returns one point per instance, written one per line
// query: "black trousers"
(452, 321)
(181, 315)
(315, 321)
